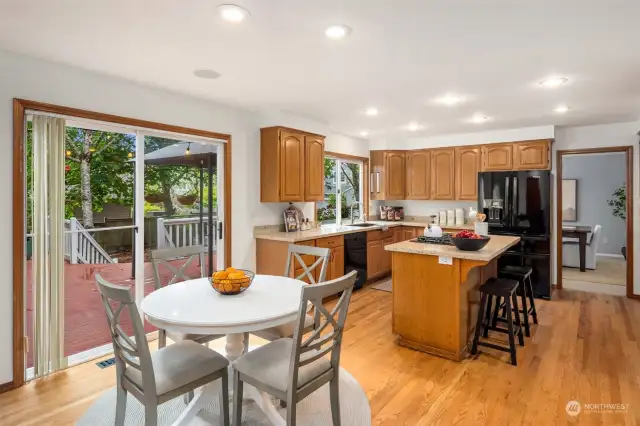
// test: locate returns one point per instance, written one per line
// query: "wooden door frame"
(628, 151)
(20, 106)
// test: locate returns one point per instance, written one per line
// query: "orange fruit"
(236, 286)
(228, 287)
(236, 275)
(220, 275)
(230, 269)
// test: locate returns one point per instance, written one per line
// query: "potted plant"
(187, 199)
(153, 198)
(619, 204)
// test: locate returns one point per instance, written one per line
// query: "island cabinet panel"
(497, 157)
(468, 162)
(418, 166)
(291, 165)
(386, 256)
(532, 155)
(435, 305)
(442, 174)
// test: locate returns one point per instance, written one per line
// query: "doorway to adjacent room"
(595, 226)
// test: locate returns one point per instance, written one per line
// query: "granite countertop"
(331, 231)
(496, 246)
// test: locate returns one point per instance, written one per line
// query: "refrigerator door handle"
(506, 210)
(514, 212)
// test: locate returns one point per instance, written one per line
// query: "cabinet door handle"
(378, 181)
(371, 187)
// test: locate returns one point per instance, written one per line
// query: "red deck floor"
(85, 319)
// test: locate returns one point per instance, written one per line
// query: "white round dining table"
(193, 306)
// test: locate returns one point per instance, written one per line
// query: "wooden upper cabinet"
(531, 155)
(442, 174)
(291, 165)
(314, 168)
(467, 166)
(497, 157)
(387, 177)
(395, 175)
(418, 166)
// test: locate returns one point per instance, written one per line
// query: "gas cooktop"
(445, 240)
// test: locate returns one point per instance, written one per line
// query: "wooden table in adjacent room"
(436, 293)
(579, 232)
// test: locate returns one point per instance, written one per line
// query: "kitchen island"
(436, 296)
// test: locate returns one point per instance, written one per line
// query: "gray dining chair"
(292, 368)
(167, 373)
(163, 257)
(293, 258)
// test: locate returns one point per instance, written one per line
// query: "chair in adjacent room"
(155, 378)
(571, 250)
(294, 257)
(292, 368)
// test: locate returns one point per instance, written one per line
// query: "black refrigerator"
(519, 203)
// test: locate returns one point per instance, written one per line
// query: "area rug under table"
(315, 410)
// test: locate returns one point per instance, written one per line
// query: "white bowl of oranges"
(231, 281)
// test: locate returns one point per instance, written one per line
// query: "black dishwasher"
(355, 256)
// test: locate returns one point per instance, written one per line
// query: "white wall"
(43, 81)
(619, 134)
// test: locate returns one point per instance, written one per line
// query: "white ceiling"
(400, 56)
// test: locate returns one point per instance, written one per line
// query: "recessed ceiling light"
(479, 119)
(337, 32)
(413, 126)
(553, 82)
(207, 74)
(233, 13)
(372, 112)
(450, 100)
(364, 133)
(561, 109)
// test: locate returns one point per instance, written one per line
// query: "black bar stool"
(523, 275)
(498, 288)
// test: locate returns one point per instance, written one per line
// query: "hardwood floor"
(586, 348)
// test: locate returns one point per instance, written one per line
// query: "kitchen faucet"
(352, 205)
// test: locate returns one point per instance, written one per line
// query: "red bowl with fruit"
(469, 241)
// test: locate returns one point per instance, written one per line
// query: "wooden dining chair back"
(294, 256)
(136, 368)
(314, 359)
(163, 257)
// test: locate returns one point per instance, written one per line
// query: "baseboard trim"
(617, 256)
(5, 387)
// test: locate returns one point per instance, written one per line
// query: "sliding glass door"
(114, 195)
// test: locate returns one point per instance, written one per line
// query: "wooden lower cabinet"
(386, 256)
(409, 233)
(374, 255)
(398, 234)
(335, 266)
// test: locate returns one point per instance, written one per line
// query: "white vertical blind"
(48, 244)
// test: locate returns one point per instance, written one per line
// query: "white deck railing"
(81, 247)
(183, 232)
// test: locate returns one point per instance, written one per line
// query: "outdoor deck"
(85, 321)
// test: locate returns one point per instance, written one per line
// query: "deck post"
(74, 234)
(160, 231)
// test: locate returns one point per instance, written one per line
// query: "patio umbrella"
(190, 154)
